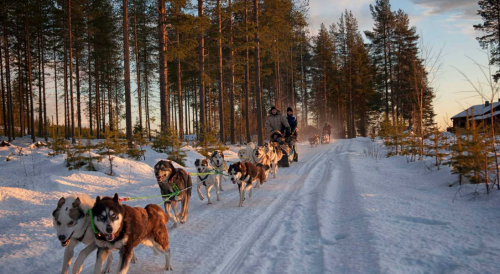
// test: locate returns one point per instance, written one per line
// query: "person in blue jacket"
(292, 121)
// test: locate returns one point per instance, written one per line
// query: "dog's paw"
(105, 271)
(183, 221)
(168, 268)
(209, 203)
(218, 200)
(134, 259)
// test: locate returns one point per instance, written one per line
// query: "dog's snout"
(109, 229)
(62, 237)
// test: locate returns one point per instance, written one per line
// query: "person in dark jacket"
(292, 121)
(327, 129)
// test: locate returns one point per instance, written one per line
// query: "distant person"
(327, 129)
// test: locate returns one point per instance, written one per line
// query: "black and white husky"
(218, 162)
(208, 180)
(245, 174)
(121, 227)
(73, 227)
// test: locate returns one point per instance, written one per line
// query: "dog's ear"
(97, 199)
(243, 168)
(77, 202)
(61, 202)
(197, 162)
(115, 198)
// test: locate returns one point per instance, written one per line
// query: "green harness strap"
(89, 213)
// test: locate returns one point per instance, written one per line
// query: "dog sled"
(286, 145)
(325, 139)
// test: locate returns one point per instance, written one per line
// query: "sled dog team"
(315, 140)
(106, 224)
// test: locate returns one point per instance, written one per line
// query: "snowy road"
(277, 231)
(336, 211)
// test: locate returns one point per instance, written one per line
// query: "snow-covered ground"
(336, 211)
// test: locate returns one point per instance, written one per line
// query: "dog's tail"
(154, 211)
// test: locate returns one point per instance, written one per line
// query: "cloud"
(328, 12)
(461, 9)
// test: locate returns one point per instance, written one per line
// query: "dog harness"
(204, 179)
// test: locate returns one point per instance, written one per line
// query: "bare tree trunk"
(233, 139)
(90, 80)
(97, 100)
(257, 73)
(110, 102)
(70, 46)
(66, 111)
(126, 57)
(163, 66)
(44, 93)
(247, 77)
(23, 102)
(28, 49)
(55, 88)
(179, 93)
(10, 112)
(302, 89)
(146, 86)
(138, 67)
(219, 67)
(325, 107)
(40, 106)
(78, 95)
(196, 116)
(4, 105)
(201, 57)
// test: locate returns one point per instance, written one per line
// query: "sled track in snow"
(234, 263)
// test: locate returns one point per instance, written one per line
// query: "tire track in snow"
(353, 240)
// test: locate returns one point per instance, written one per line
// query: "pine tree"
(490, 13)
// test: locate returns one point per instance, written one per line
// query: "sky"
(446, 26)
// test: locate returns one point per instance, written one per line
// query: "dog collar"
(169, 179)
(89, 213)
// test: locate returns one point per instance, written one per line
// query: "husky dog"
(314, 140)
(218, 161)
(208, 180)
(73, 227)
(325, 139)
(121, 227)
(245, 154)
(259, 156)
(167, 176)
(245, 174)
(275, 154)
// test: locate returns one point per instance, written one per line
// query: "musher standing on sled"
(276, 122)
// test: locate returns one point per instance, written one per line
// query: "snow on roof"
(479, 110)
(481, 117)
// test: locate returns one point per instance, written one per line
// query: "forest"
(78, 68)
